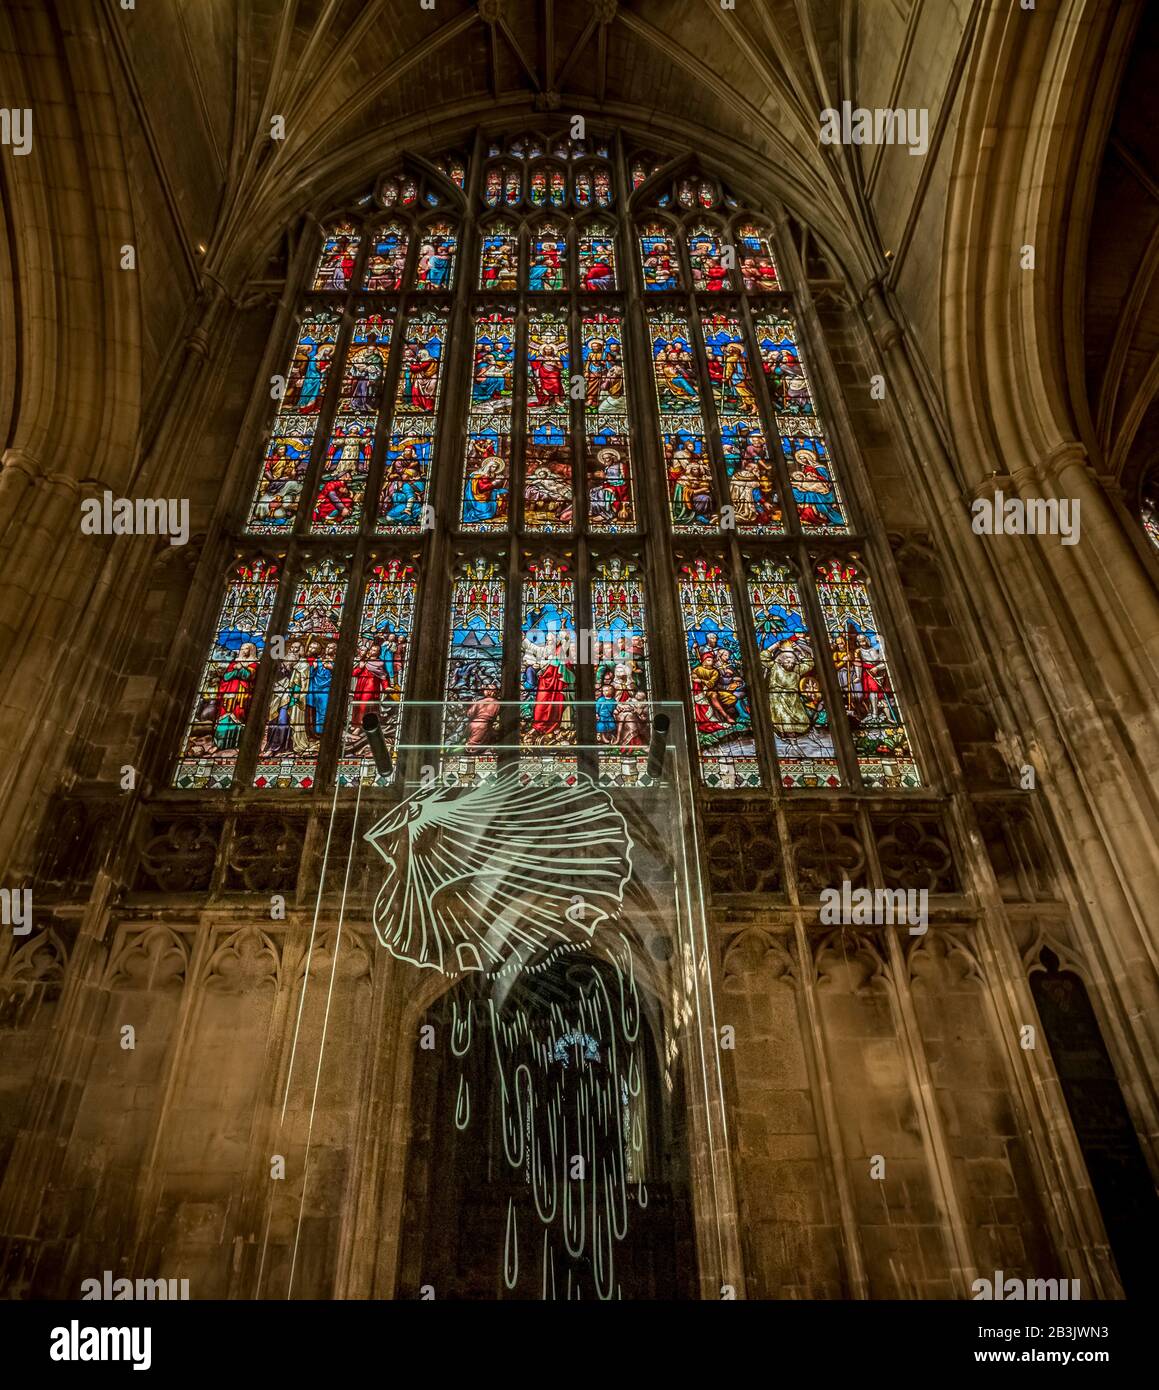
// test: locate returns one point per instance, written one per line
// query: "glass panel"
(720, 699)
(547, 490)
(597, 257)
(335, 267)
(387, 262)
(603, 188)
(378, 676)
(338, 501)
(474, 672)
(499, 258)
(493, 186)
(537, 188)
(291, 438)
(811, 474)
(608, 453)
(793, 689)
(622, 686)
(547, 670)
(879, 734)
(691, 493)
(658, 258)
(413, 426)
(225, 692)
(758, 268)
(548, 267)
(558, 188)
(487, 470)
(300, 693)
(583, 188)
(751, 480)
(435, 269)
(706, 253)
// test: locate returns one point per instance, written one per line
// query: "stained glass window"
(757, 267)
(335, 269)
(547, 267)
(301, 672)
(707, 255)
(786, 680)
(608, 452)
(378, 675)
(346, 463)
(597, 257)
(386, 263)
(720, 698)
(287, 455)
(658, 258)
(474, 681)
(487, 469)
(225, 693)
(435, 269)
(548, 670)
(547, 490)
(871, 704)
(811, 476)
(751, 480)
(499, 257)
(413, 424)
(794, 688)
(623, 718)
(688, 468)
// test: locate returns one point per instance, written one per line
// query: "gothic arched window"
(557, 393)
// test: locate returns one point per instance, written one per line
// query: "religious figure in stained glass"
(435, 268)
(499, 258)
(387, 260)
(874, 711)
(757, 267)
(597, 257)
(413, 424)
(378, 675)
(720, 698)
(794, 690)
(547, 493)
(751, 478)
(688, 467)
(291, 440)
(487, 471)
(335, 269)
(547, 669)
(547, 268)
(623, 717)
(474, 670)
(658, 258)
(221, 707)
(300, 689)
(609, 474)
(706, 253)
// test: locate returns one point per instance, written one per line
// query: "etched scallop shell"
(498, 875)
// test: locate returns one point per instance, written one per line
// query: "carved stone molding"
(265, 852)
(744, 855)
(178, 852)
(915, 853)
(826, 850)
(150, 957)
(245, 960)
